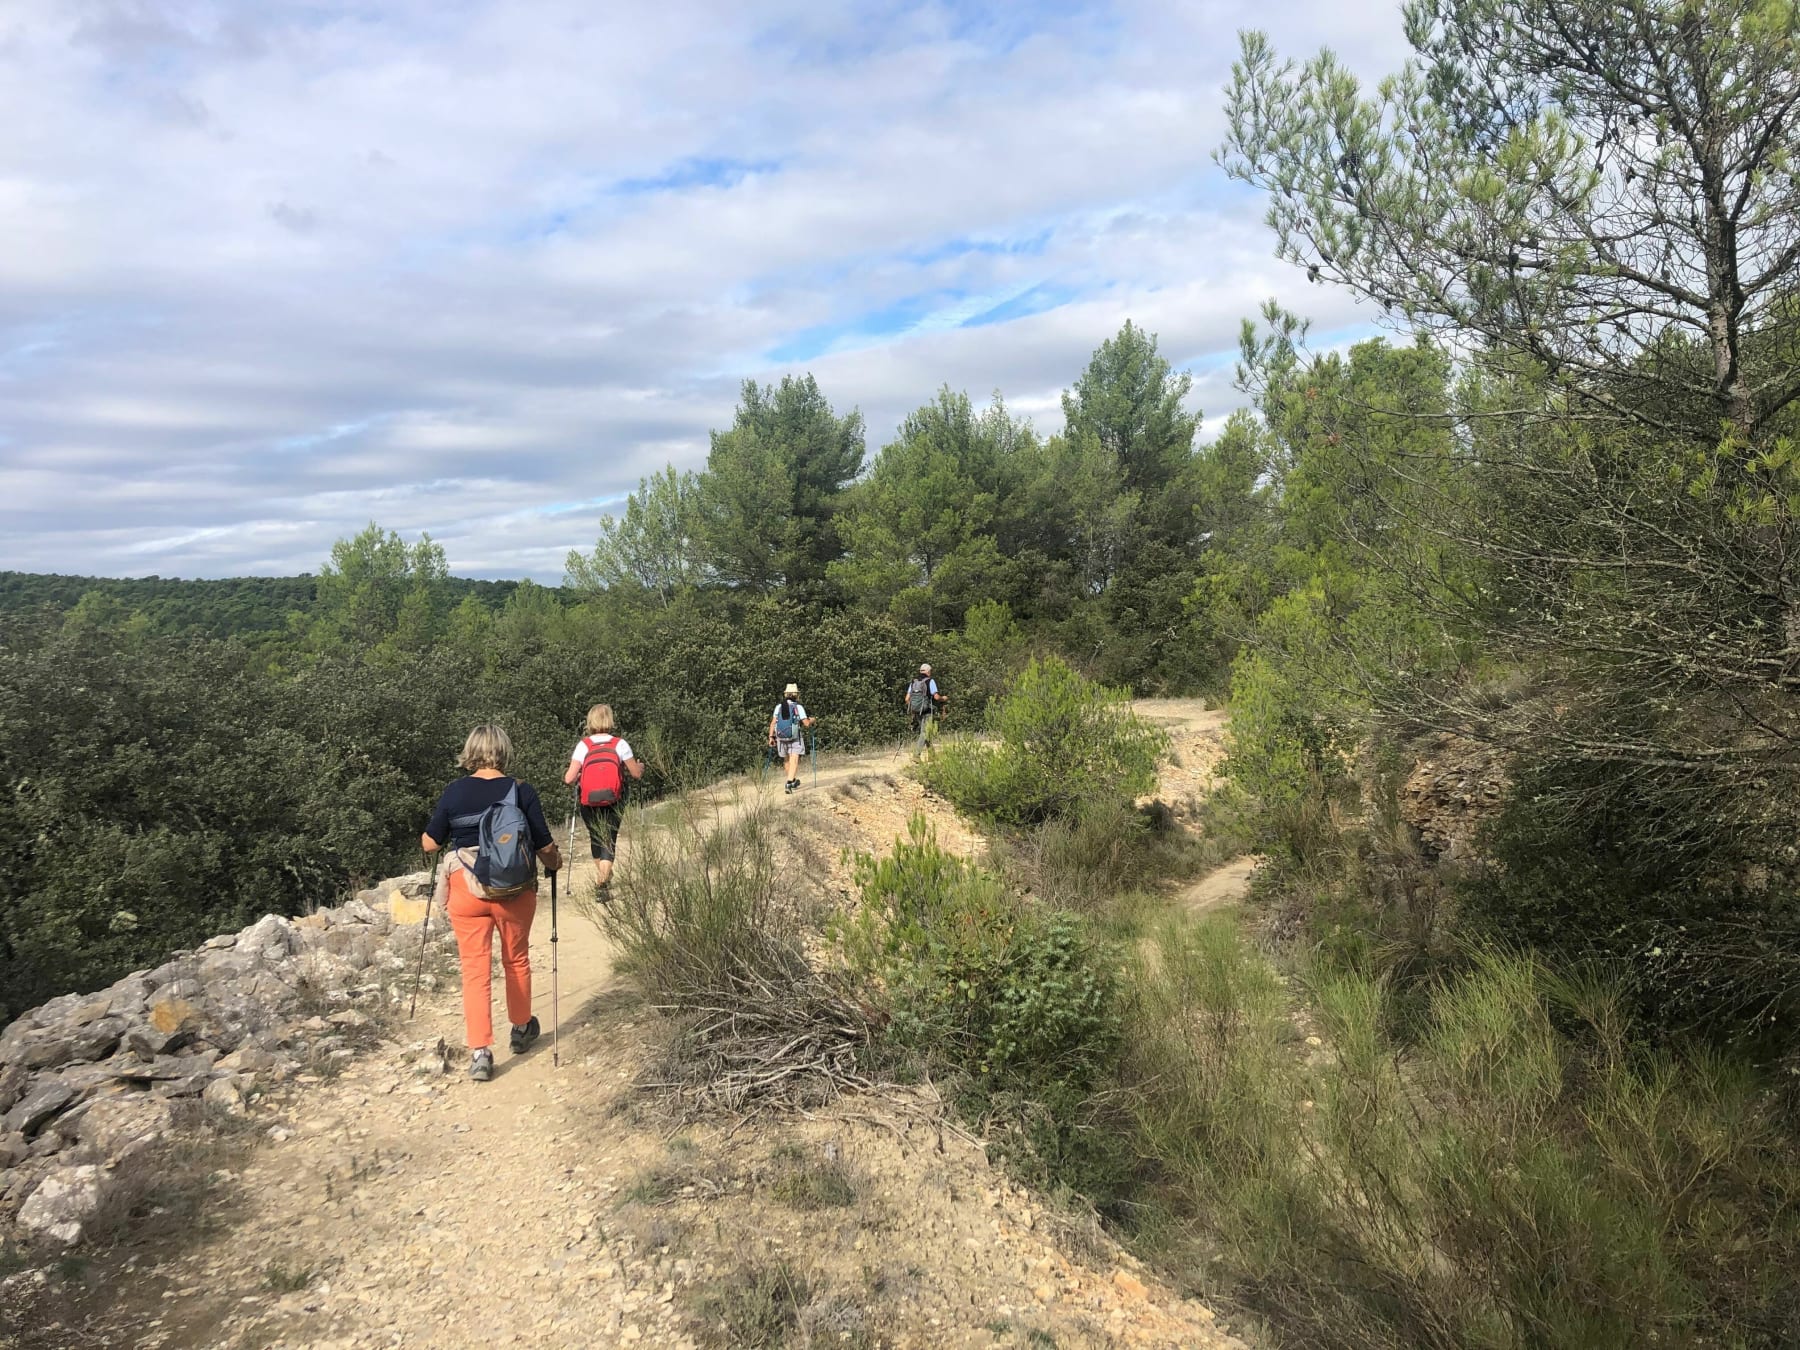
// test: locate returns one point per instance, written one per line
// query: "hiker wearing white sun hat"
(787, 732)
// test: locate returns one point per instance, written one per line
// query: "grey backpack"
(918, 696)
(504, 862)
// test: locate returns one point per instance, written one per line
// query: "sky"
(272, 269)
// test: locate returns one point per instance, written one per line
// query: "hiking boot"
(602, 897)
(481, 1065)
(522, 1037)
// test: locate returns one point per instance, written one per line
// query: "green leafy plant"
(1057, 741)
(964, 968)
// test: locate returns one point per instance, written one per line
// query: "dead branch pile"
(785, 1044)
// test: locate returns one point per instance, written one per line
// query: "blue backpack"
(504, 862)
(786, 727)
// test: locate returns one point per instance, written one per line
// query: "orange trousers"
(474, 922)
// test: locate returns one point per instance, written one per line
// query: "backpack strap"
(475, 817)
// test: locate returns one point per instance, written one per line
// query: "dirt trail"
(400, 1205)
(1197, 734)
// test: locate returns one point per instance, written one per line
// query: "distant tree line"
(256, 610)
(184, 755)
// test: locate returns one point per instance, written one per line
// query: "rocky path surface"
(401, 1204)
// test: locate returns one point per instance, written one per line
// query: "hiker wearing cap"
(600, 762)
(787, 732)
(924, 705)
(491, 886)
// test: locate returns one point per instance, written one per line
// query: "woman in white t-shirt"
(787, 732)
(606, 778)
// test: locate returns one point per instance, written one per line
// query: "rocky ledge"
(92, 1082)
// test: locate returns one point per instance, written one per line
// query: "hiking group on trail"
(493, 834)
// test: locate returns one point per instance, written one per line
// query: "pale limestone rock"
(120, 1127)
(64, 1203)
(46, 1099)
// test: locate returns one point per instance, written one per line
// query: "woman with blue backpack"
(495, 827)
(787, 732)
(598, 767)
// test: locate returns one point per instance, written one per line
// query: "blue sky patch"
(698, 171)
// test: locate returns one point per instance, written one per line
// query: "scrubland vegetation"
(1538, 1091)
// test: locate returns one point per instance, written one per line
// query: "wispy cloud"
(475, 266)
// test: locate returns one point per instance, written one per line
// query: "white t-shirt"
(619, 743)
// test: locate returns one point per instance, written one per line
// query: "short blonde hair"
(488, 747)
(600, 719)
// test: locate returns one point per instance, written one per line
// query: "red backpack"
(602, 772)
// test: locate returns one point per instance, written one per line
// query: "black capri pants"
(603, 829)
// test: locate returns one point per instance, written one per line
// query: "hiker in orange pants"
(474, 922)
(490, 793)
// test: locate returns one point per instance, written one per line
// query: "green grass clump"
(811, 1186)
(755, 1306)
(279, 1278)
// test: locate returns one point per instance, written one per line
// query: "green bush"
(1107, 850)
(965, 969)
(1289, 752)
(1521, 1177)
(1057, 742)
(1703, 933)
(699, 913)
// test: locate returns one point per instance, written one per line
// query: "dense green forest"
(255, 610)
(184, 756)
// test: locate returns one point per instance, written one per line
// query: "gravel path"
(401, 1204)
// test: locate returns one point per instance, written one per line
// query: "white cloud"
(274, 270)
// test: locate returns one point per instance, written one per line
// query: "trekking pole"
(424, 927)
(815, 756)
(555, 987)
(574, 815)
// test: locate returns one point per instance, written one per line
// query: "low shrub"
(1107, 849)
(698, 912)
(1056, 742)
(966, 969)
(1521, 1177)
(754, 1306)
(704, 922)
(808, 1184)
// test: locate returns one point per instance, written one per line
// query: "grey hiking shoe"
(481, 1065)
(522, 1037)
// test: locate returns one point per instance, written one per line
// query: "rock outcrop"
(90, 1081)
(1456, 787)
